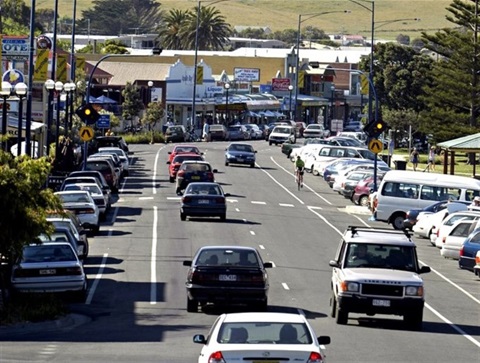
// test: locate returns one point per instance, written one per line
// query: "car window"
(264, 333)
(44, 253)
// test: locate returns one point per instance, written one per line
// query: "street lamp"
(195, 58)
(69, 88)
(290, 89)
(150, 85)
(58, 89)
(227, 87)
(300, 21)
(332, 95)
(21, 91)
(73, 88)
(5, 93)
(50, 87)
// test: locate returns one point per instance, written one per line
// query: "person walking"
(206, 131)
(414, 158)
(431, 159)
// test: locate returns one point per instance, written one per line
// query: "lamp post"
(290, 89)
(5, 93)
(150, 85)
(58, 89)
(69, 88)
(21, 91)
(73, 88)
(227, 87)
(332, 96)
(297, 60)
(195, 58)
(50, 87)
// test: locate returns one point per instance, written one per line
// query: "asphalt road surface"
(136, 308)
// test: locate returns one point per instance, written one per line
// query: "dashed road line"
(285, 286)
(286, 205)
(257, 202)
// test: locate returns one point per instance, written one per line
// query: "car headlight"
(229, 155)
(414, 291)
(349, 286)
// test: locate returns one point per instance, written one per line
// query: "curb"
(67, 322)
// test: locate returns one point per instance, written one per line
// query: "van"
(281, 134)
(402, 190)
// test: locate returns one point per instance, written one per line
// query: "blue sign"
(265, 88)
(103, 122)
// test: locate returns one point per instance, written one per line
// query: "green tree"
(252, 33)
(452, 99)
(116, 17)
(288, 36)
(27, 202)
(132, 104)
(154, 114)
(170, 33)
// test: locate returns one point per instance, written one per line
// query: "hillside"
(283, 14)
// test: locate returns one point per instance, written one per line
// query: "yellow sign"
(199, 75)
(364, 84)
(86, 133)
(375, 146)
(80, 63)
(301, 79)
(62, 68)
(41, 66)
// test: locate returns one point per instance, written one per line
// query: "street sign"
(375, 146)
(86, 133)
(103, 122)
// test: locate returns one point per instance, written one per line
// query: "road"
(137, 301)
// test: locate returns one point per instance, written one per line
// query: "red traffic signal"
(88, 114)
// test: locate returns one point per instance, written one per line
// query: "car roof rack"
(354, 230)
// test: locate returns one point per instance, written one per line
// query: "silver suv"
(376, 271)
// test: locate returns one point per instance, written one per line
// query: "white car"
(454, 241)
(427, 221)
(441, 231)
(254, 337)
(316, 130)
(96, 193)
(121, 154)
(82, 204)
(304, 151)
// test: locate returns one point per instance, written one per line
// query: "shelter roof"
(123, 72)
(470, 143)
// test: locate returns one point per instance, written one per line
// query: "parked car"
(82, 204)
(194, 171)
(218, 132)
(93, 173)
(345, 141)
(95, 192)
(362, 192)
(254, 131)
(227, 275)
(476, 268)
(203, 200)
(458, 234)
(105, 167)
(240, 153)
(183, 148)
(281, 134)
(110, 141)
(113, 159)
(249, 337)
(106, 192)
(238, 132)
(469, 251)
(123, 156)
(65, 234)
(441, 231)
(49, 267)
(177, 161)
(427, 222)
(176, 133)
(72, 222)
(287, 148)
(412, 214)
(316, 130)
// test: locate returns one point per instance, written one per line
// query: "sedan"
(254, 337)
(194, 171)
(121, 154)
(238, 132)
(203, 200)
(228, 275)
(65, 234)
(82, 204)
(315, 130)
(95, 192)
(183, 148)
(469, 251)
(413, 214)
(452, 243)
(218, 132)
(50, 267)
(177, 161)
(240, 153)
(255, 132)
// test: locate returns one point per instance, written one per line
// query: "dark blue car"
(469, 250)
(240, 153)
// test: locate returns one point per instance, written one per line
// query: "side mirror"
(199, 339)
(187, 263)
(215, 171)
(255, 151)
(324, 340)
(333, 263)
(169, 152)
(268, 265)
(227, 194)
(168, 162)
(424, 270)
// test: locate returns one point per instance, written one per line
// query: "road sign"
(375, 146)
(86, 133)
(104, 121)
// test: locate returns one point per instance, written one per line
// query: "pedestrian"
(414, 158)
(109, 133)
(431, 159)
(206, 131)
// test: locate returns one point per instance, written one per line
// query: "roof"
(264, 316)
(470, 143)
(123, 72)
(377, 235)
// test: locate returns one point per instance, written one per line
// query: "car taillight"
(220, 200)
(216, 357)
(315, 358)
(461, 252)
(186, 199)
(210, 176)
(74, 271)
(477, 259)
(258, 278)
(181, 173)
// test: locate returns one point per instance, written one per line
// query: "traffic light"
(375, 128)
(88, 114)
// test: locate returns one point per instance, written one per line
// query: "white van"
(402, 190)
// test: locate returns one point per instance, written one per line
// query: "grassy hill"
(283, 14)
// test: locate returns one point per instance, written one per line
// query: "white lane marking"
(154, 175)
(362, 221)
(92, 289)
(252, 233)
(262, 247)
(244, 220)
(232, 200)
(285, 286)
(237, 210)
(313, 207)
(174, 198)
(145, 198)
(304, 185)
(286, 205)
(455, 327)
(325, 220)
(257, 202)
(281, 185)
(153, 261)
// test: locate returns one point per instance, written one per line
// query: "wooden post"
(452, 163)
(445, 161)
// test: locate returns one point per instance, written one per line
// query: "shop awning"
(308, 100)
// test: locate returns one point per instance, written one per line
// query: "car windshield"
(195, 167)
(75, 198)
(282, 130)
(189, 149)
(264, 333)
(54, 237)
(181, 158)
(227, 257)
(39, 253)
(238, 147)
(380, 256)
(234, 128)
(203, 189)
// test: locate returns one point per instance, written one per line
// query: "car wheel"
(315, 171)
(363, 201)
(270, 143)
(192, 306)
(172, 179)
(223, 217)
(262, 306)
(397, 221)
(333, 305)
(226, 163)
(252, 165)
(341, 315)
(183, 216)
(96, 229)
(414, 320)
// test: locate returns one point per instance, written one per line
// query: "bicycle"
(299, 178)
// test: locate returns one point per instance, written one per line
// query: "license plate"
(265, 361)
(203, 201)
(227, 277)
(377, 302)
(48, 272)
(240, 160)
(195, 178)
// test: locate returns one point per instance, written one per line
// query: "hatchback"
(176, 133)
(177, 161)
(194, 171)
(218, 132)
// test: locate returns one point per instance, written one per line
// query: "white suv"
(376, 271)
(281, 134)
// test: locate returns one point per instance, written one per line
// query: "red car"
(177, 161)
(362, 191)
(184, 148)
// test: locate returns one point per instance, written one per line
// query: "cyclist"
(299, 169)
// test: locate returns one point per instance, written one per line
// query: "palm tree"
(213, 31)
(171, 31)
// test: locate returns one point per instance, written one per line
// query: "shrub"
(144, 138)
